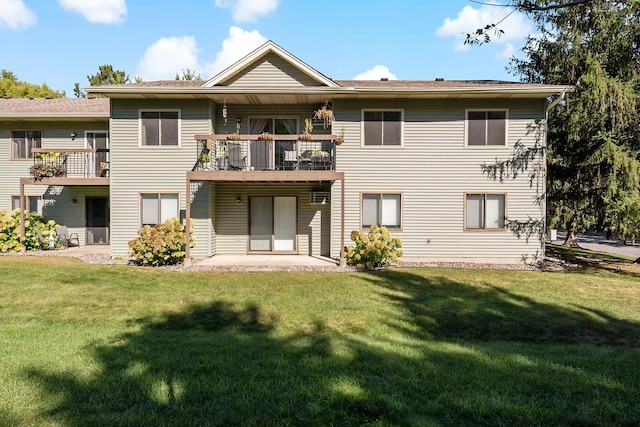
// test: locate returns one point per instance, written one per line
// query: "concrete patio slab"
(266, 261)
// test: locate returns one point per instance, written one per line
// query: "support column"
(23, 248)
(343, 261)
(187, 248)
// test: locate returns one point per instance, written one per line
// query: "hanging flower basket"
(304, 137)
(339, 140)
(324, 113)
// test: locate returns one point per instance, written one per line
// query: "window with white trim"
(382, 127)
(34, 204)
(156, 208)
(23, 141)
(383, 209)
(486, 128)
(160, 128)
(484, 211)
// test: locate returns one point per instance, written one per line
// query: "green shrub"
(373, 249)
(160, 245)
(10, 231)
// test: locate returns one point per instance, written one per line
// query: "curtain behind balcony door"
(261, 151)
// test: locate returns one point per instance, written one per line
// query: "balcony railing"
(251, 153)
(70, 163)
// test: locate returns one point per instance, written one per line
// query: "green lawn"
(84, 345)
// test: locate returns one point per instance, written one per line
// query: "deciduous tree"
(14, 88)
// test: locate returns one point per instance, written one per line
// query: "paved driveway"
(598, 242)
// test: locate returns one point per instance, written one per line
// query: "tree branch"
(531, 7)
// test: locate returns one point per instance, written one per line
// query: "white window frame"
(381, 194)
(382, 146)
(39, 204)
(486, 147)
(11, 153)
(484, 206)
(160, 146)
(159, 194)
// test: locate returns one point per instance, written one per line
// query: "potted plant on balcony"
(205, 158)
(40, 171)
(308, 128)
(324, 113)
(222, 154)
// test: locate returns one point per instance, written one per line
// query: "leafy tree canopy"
(593, 141)
(106, 75)
(11, 86)
(188, 75)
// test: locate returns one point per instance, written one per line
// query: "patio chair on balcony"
(236, 160)
(65, 238)
(290, 161)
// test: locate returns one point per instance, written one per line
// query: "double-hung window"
(382, 127)
(33, 204)
(381, 209)
(486, 128)
(484, 211)
(23, 141)
(156, 208)
(160, 128)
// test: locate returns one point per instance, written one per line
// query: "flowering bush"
(373, 249)
(163, 244)
(10, 231)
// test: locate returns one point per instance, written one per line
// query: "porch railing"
(251, 153)
(70, 162)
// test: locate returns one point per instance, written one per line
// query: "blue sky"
(62, 41)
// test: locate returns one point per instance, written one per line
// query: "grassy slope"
(104, 345)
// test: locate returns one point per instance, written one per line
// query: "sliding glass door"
(273, 224)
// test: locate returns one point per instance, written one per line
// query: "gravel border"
(549, 264)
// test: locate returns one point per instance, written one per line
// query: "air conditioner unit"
(320, 197)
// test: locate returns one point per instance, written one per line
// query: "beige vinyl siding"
(231, 218)
(433, 170)
(136, 169)
(55, 135)
(272, 70)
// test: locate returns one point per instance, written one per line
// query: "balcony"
(69, 163)
(255, 153)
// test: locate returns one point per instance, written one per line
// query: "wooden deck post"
(23, 248)
(187, 234)
(343, 261)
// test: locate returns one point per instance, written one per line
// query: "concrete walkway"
(598, 242)
(266, 261)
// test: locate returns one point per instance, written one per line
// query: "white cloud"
(248, 10)
(508, 51)
(168, 56)
(238, 44)
(97, 11)
(515, 27)
(14, 15)
(376, 73)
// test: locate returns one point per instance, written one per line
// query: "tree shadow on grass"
(456, 356)
(595, 262)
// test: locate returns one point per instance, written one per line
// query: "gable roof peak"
(268, 47)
